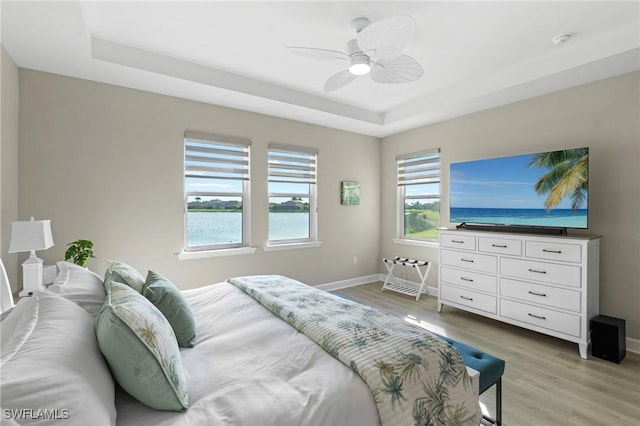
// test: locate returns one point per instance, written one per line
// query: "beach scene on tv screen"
(544, 189)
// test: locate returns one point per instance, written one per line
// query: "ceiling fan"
(376, 50)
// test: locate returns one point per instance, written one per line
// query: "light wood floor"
(546, 383)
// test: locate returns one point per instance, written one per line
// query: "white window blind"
(212, 157)
(292, 164)
(419, 168)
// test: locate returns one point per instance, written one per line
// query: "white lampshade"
(30, 235)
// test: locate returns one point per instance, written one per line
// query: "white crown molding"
(173, 67)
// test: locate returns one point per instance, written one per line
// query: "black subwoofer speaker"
(608, 338)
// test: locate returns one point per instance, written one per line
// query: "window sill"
(202, 254)
(292, 246)
(418, 243)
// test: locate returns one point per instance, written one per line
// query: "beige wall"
(604, 116)
(106, 163)
(8, 161)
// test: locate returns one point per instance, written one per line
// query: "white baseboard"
(633, 345)
(337, 285)
(352, 282)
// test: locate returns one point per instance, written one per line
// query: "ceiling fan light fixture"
(359, 65)
(376, 50)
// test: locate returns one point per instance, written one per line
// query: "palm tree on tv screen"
(567, 177)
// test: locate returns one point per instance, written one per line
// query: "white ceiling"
(476, 55)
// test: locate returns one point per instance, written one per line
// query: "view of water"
(211, 228)
(562, 218)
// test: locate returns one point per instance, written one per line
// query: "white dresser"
(548, 284)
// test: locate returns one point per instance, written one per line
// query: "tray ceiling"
(475, 55)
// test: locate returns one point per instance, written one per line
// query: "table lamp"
(31, 235)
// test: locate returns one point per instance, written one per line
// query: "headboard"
(6, 297)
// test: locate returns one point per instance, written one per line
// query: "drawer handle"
(537, 271)
(466, 298)
(537, 294)
(552, 251)
(466, 260)
(537, 316)
(466, 279)
(499, 245)
(457, 241)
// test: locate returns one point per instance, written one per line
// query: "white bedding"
(249, 367)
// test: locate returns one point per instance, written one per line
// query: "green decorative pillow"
(141, 350)
(169, 300)
(123, 273)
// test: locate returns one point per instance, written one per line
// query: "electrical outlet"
(355, 260)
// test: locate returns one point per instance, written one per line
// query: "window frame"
(218, 141)
(311, 173)
(429, 175)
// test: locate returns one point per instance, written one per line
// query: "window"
(292, 194)
(419, 195)
(216, 187)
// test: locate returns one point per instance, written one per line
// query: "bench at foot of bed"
(490, 369)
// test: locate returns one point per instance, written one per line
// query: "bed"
(249, 363)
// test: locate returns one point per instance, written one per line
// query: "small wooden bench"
(490, 369)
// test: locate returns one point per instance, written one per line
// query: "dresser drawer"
(472, 261)
(468, 298)
(463, 242)
(541, 317)
(567, 275)
(500, 246)
(553, 251)
(472, 280)
(541, 294)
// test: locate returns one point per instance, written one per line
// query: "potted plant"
(79, 252)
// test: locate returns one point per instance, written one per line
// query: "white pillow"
(13, 318)
(16, 328)
(52, 362)
(81, 286)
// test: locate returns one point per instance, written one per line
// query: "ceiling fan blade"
(401, 69)
(319, 54)
(386, 39)
(339, 80)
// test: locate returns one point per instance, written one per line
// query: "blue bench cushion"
(489, 367)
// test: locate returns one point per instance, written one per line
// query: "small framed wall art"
(350, 193)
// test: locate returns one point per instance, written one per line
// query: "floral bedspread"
(415, 377)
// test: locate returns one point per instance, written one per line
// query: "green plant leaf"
(79, 252)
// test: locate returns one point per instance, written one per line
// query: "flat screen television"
(545, 189)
